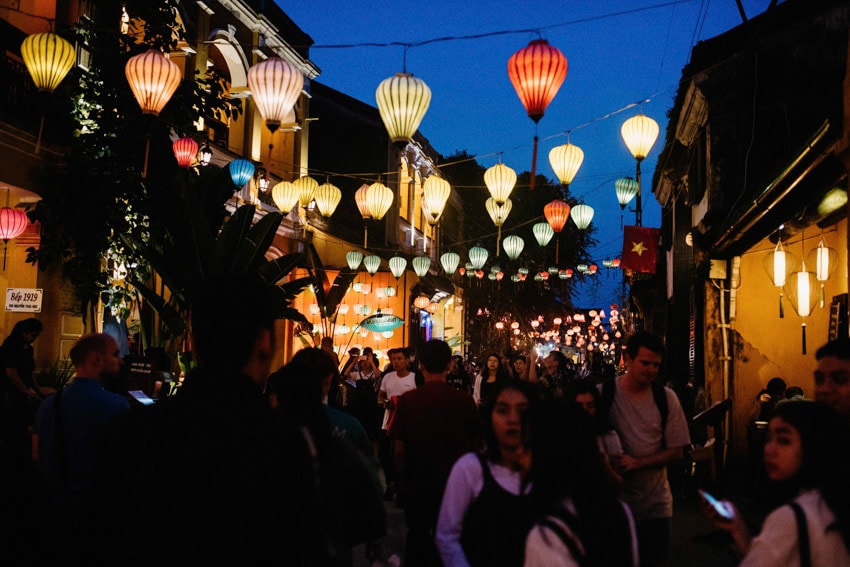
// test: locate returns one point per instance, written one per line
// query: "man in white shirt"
(394, 384)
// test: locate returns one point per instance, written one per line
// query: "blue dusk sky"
(623, 57)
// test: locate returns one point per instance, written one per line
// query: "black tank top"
(495, 525)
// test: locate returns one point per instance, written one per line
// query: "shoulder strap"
(568, 540)
(659, 394)
(486, 473)
(802, 535)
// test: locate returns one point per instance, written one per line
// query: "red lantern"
(557, 212)
(185, 150)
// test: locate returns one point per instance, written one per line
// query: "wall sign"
(23, 299)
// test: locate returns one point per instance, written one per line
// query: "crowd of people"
(517, 462)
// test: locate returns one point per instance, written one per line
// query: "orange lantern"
(557, 212)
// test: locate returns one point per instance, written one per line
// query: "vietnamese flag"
(640, 247)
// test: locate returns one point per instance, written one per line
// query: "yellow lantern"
(639, 133)
(48, 59)
(275, 86)
(566, 161)
(500, 180)
(306, 190)
(153, 78)
(379, 198)
(285, 196)
(327, 197)
(436, 192)
(421, 302)
(402, 102)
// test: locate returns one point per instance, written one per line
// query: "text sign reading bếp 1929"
(23, 299)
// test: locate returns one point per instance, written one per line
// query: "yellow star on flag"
(639, 248)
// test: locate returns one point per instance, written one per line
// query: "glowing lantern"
(779, 264)
(402, 102)
(513, 246)
(379, 198)
(372, 263)
(823, 259)
(343, 308)
(48, 59)
(500, 180)
(435, 193)
(153, 78)
(353, 257)
(421, 265)
(306, 186)
(500, 325)
(185, 150)
(13, 222)
(626, 188)
(566, 161)
(327, 198)
(449, 261)
(593, 268)
(639, 133)
(275, 86)
(537, 72)
(543, 233)
(241, 171)
(801, 286)
(362, 203)
(285, 196)
(478, 257)
(557, 212)
(397, 266)
(582, 215)
(432, 307)
(422, 301)
(390, 292)
(615, 263)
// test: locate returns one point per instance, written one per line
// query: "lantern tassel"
(533, 164)
(147, 154)
(804, 338)
(781, 308)
(5, 245)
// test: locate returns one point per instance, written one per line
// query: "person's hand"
(624, 463)
(765, 398)
(736, 526)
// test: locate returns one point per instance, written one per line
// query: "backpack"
(607, 400)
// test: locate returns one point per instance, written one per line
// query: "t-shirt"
(393, 386)
(637, 420)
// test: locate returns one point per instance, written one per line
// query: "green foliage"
(329, 294)
(56, 375)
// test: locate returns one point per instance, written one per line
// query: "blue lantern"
(241, 171)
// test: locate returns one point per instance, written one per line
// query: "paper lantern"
(153, 78)
(639, 133)
(537, 72)
(48, 59)
(241, 171)
(353, 258)
(275, 86)
(362, 203)
(557, 212)
(327, 198)
(566, 161)
(449, 261)
(421, 301)
(402, 102)
(13, 222)
(500, 180)
(435, 193)
(397, 266)
(389, 291)
(432, 307)
(379, 198)
(513, 246)
(372, 264)
(543, 233)
(421, 265)
(185, 150)
(478, 257)
(306, 186)
(285, 196)
(498, 213)
(582, 215)
(626, 188)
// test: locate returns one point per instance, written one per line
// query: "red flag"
(640, 248)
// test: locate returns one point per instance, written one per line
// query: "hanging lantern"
(343, 308)
(823, 260)
(422, 301)
(566, 161)
(421, 265)
(353, 257)
(543, 233)
(801, 291)
(185, 150)
(306, 186)
(779, 264)
(500, 180)
(593, 268)
(435, 193)
(432, 307)
(241, 171)
(327, 198)
(13, 222)
(615, 263)
(639, 133)
(153, 78)
(402, 102)
(498, 213)
(362, 202)
(449, 261)
(397, 266)
(582, 215)
(562, 274)
(372, 263)
(379, 198)
(626, 188)
(285, 196)
(275, 86)
(390, 292)
(537, 72)
(557, 212)
(478, 257)
(513, 246)
(48, 59)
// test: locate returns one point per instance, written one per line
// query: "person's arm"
(626, 463)
(476, 388)
(532, 367)
(382, 397)
(462, 488)
(736, 527)
(19, 385)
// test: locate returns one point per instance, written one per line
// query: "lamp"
(262, 179)
(801, 286)
(432, 307)
(566, 161)
(275, 86)
(402, 102)
(306, 186)
(823, 259)
(639, 133)
(285, 196)
(327, 198)
(185, 150)
(478, 257)
(557, 212)
(626, 188)
(206, 154)
(513, 245)
(498, 214)
(500, 180)
(449, 261)
(241, 171)
(422, 301)
(778, 265)
(379, 198)
(543, 233)
(435, 193)
(362, 203)
(421, 265)
(372, 263)
(13, 222)
(582, 215)
(397, 266)
(353, 258)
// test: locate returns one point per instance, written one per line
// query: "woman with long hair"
(491, 377)
(457, 376)
(487, 509)
(19, 392)
(808, 453)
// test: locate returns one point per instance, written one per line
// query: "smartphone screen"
(719, 506)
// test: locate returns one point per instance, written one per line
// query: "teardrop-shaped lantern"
(582, 215)
(397, 266)
(500, 180)
(402, 102)
(449, 261)
(537, 72)
(435, 193)
(822, 260)
(639, 133)
(185, 150)
(478, 257)
(275, 86)
(626, 188)
(48, 59)
(566, 161)
(557, 212)
(513, 246)
(543, 233)
(372, 264)
(362, 203)
(779, 264)
(379, 197)
(241, 171)
(801, 287)
(421, 265)
(498, 214)
(306, 186)
(285, 196)
(353, 258)
(153, 78)
(327, 198)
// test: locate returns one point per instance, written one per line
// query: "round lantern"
(241, 171)
(389, 291)
(432, 307)
(285, 196)
(449, 261)
(500, 180)
(626, 188)
(402, 102)
(565, 161)
(379, 198)
(153, 78)
(478, 257)
(435, 193)
(639, 133)
(372, 263)
(48, 59)
(362, 203)
(353, 258)
(498, 213)
(557, 212)
(421, 265)
(185, 150)
(327, 198)
(582, 215)
(275, 86)
(397, 266)
(513, 246)
(13, 222)
(537, 72)
(543, 233)
(306, 186)
(421, 301)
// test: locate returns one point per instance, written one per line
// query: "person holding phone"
(807, 451)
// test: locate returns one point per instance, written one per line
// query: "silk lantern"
(275, 86)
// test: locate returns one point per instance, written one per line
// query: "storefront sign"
(23, 299)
